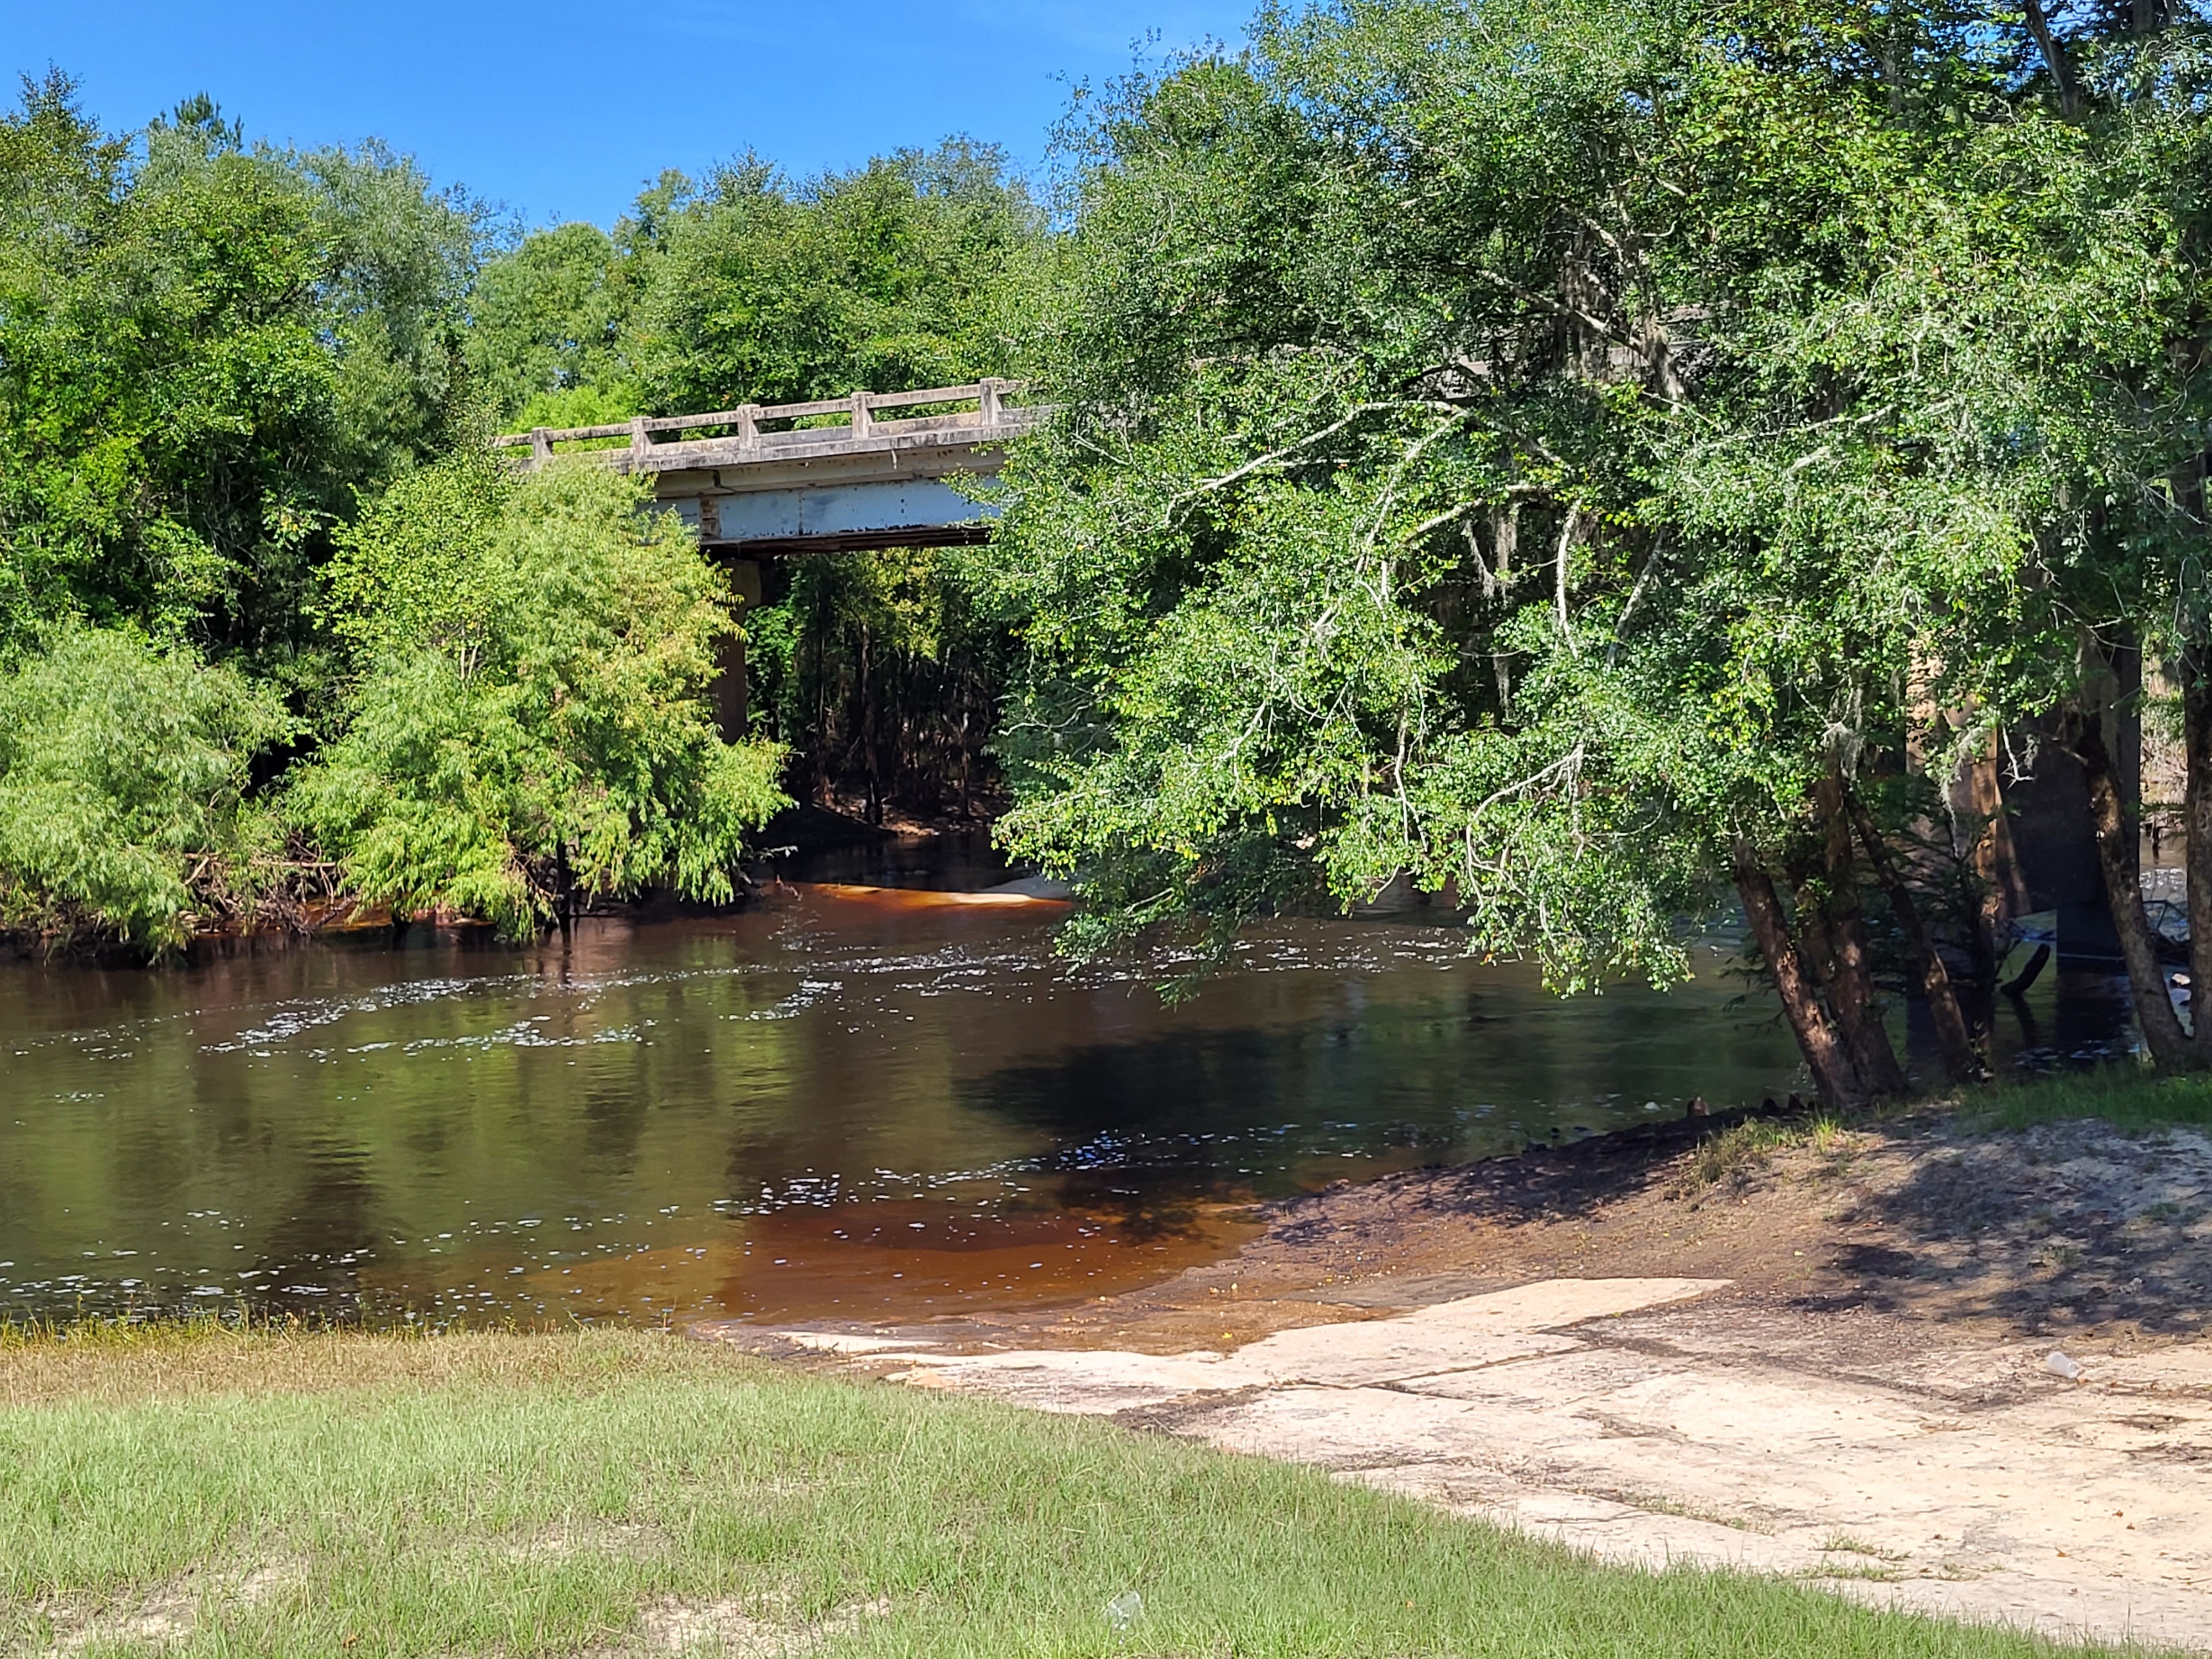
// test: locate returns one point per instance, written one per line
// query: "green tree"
(204, 349)
(123, 813)
(531, 726)
(553, 318)
(1561, 452)
(891, 277)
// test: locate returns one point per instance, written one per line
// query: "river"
(841, 1103)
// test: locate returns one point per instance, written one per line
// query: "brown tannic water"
(840, 1105)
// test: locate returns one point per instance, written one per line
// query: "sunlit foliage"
(1569, 454)
(123, 770)
(531, 728)
(205, 347)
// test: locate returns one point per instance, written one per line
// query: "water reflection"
(836, 1105)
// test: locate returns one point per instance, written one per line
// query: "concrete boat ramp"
(1650, 1420)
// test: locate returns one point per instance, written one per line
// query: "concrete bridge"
(828, 477)
(833, 476)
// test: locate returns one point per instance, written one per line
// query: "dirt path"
(1826, 1355)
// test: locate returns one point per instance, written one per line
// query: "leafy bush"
(532, 724)
(123, 772)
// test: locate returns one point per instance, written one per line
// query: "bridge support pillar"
(731, 705)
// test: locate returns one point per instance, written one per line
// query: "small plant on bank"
(1843, 1543)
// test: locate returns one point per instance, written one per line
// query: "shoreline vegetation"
(794, 831)
(206, 1488)
(1583, 462)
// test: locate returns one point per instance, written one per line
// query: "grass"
(2126, 1097)
(1842, 1543)
(209, 1493)
(1742, 1149)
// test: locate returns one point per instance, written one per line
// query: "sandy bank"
(1828, 1358)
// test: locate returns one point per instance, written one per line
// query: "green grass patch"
(2126, 1097)
(1742, 1150)
(597, 1493)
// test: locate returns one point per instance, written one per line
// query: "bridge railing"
(750, 425)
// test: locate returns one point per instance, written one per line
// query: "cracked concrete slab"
(1467, 1335)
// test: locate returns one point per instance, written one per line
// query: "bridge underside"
(848, 500)
(833, 518)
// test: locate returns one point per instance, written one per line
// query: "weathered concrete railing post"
(862, 419)
(748, 426)
(641, 439)
(541, 445)
(986, 400)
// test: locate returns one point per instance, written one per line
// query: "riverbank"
(803, 844)
(2076, 1206)
(1949, 1358)
(610, 1493)
(1651, 1393)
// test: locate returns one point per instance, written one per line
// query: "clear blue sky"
(555, 109)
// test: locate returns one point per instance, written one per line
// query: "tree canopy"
(752, 286)
(1580, 456)
(205, 349)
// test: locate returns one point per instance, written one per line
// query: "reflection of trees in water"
(1152, 1129)
(614, 1123)
(388, 1096)
(477, 1088)
(1169, 1208)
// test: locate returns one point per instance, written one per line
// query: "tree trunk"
(1504, 535)
(871, 743)
(1833, 1075)
(1850, 991)
(1961, 1064)
(820, 757)
(2196, 670)
(967, 763)
(2119, 858)
(2054, 59)
(1991, 858)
